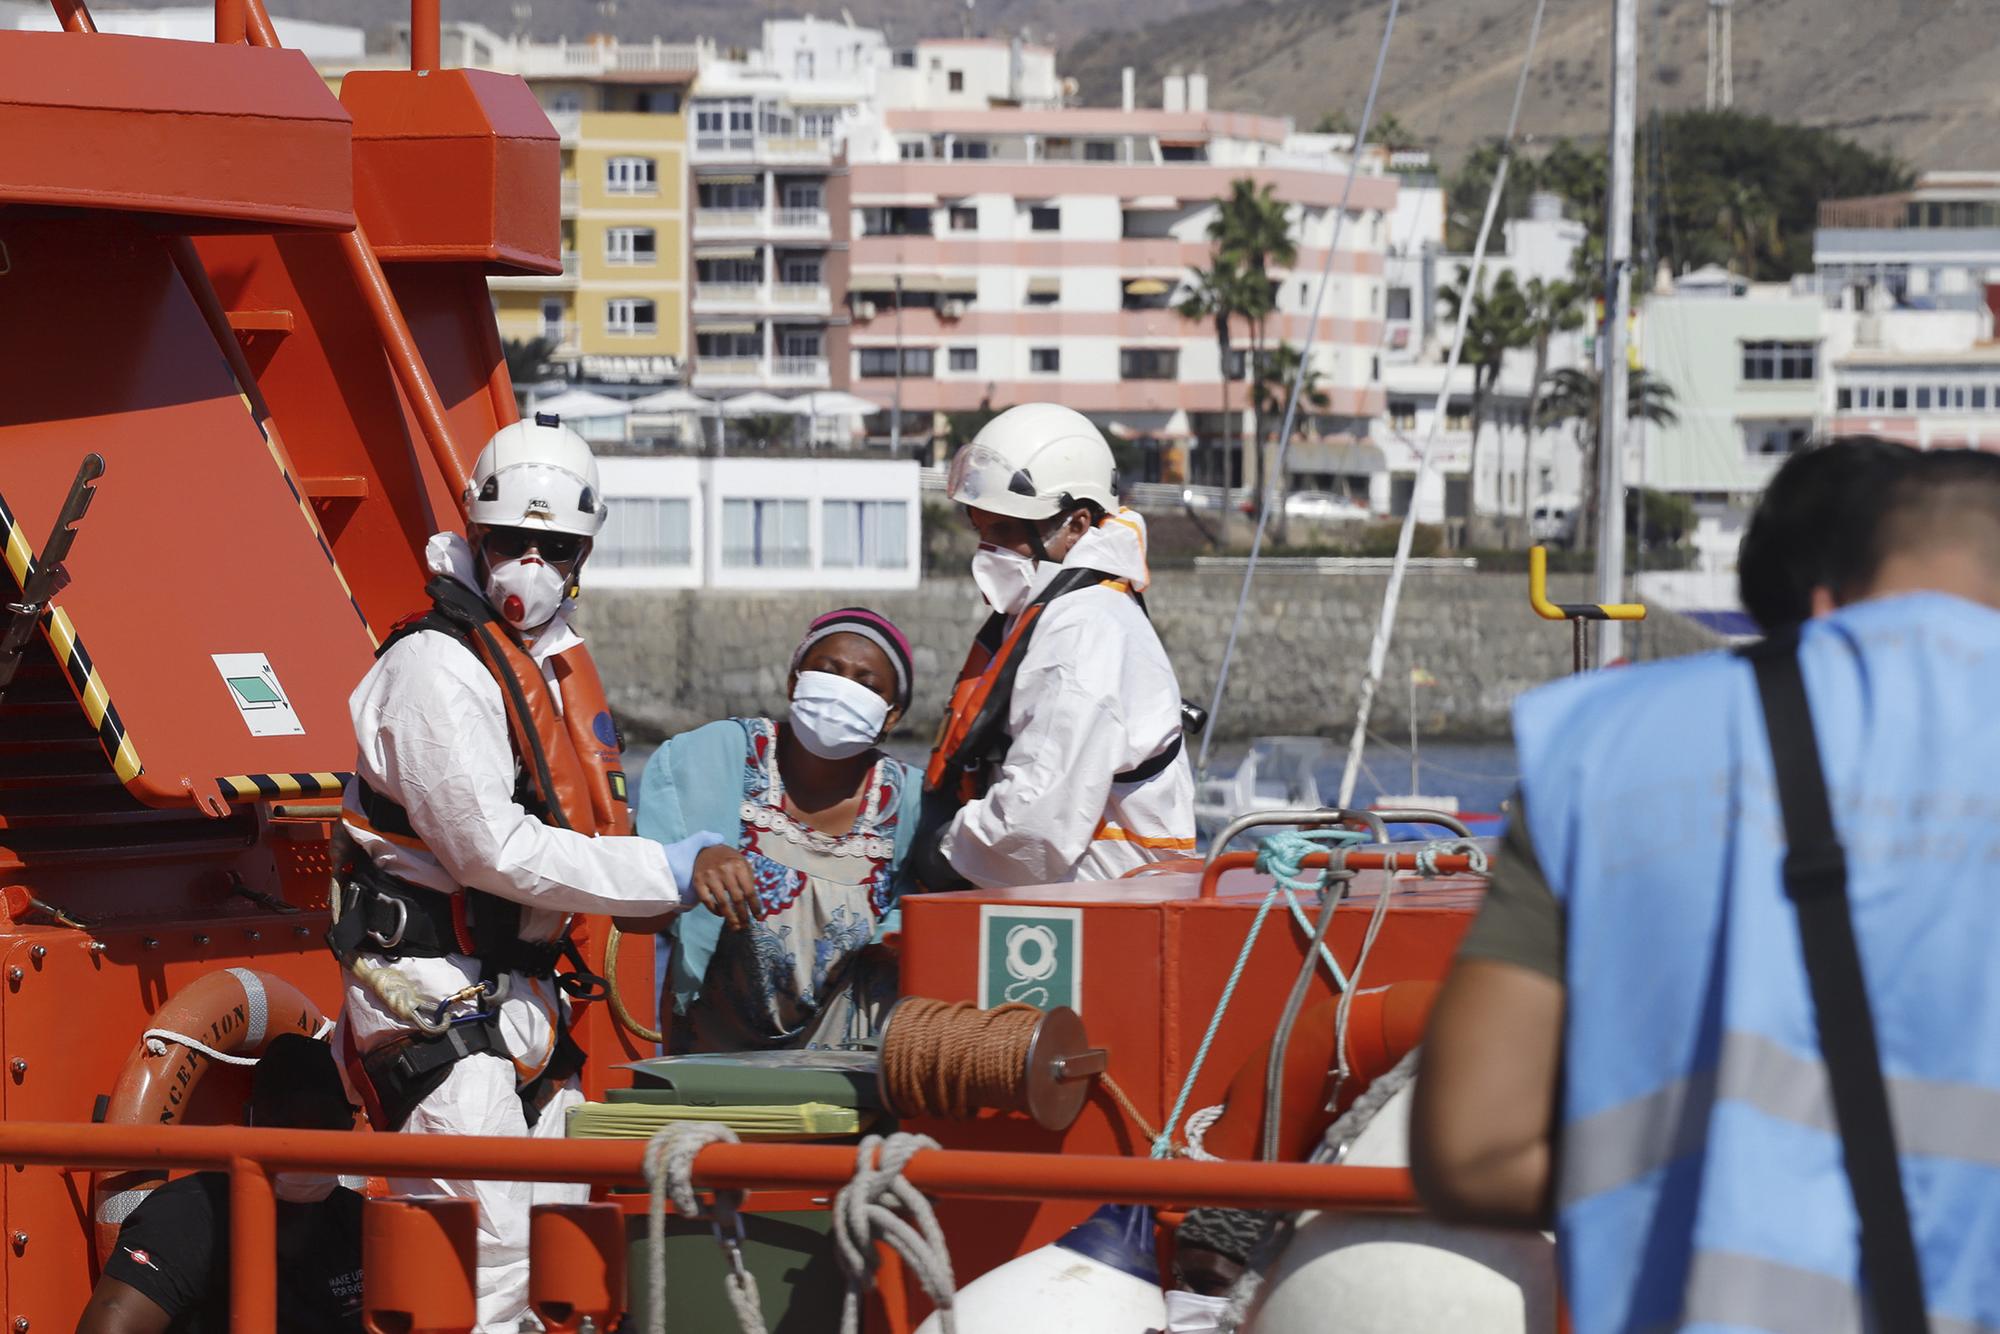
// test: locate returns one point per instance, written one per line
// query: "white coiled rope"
(881, 1205)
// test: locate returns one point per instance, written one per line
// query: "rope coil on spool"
(952, 1059)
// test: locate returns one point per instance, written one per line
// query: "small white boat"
(1278, 773)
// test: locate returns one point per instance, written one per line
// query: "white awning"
(727, 178)
(1045, 285)
(727, 326)
(724, 252)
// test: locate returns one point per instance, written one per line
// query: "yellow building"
(619, 310)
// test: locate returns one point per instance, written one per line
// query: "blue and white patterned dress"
(798, 975)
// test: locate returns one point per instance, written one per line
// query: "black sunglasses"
(513, 543)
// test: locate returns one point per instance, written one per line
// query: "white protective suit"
(433, 739)
(1095, 696)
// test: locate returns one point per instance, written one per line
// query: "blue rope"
(1279, 856)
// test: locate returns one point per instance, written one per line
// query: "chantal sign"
(629, 370)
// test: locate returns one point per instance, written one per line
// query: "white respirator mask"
(527, 591)
(303, 1187)
(1006, 579)
(835, 718)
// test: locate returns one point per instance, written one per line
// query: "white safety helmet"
(1035, 461)
(536, 473)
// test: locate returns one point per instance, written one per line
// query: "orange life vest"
(571, 775)
(972, 737)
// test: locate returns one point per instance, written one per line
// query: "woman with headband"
(817, 821)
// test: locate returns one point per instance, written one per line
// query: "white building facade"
(683, 522)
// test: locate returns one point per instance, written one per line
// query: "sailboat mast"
(1617, 301)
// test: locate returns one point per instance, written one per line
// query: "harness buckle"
(395, 937)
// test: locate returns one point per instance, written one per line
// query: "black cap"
(296, 1084)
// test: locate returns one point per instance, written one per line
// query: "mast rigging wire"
(1299, 375)
(1378, 649)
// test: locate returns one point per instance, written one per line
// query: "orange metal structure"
(265, 308)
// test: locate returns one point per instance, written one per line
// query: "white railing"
(567, 278)
(572, 192)
(596, 57)
(800, 294)
(568, 124)
(725, 143)
(733, 293)
(566, 338)
(647, 330)
(802, 219)
(728, 219)
(705, 367)
(798, 368)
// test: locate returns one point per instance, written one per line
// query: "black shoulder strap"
(1816, 882)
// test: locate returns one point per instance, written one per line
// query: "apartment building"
(768, 228)
(618, 313)
(1937, 243)
(1009, 252)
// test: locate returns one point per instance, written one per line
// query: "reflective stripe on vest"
(1749, 1292)
(1623, 1144)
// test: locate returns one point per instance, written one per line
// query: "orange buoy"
(232, 1013)
(1383, 1024)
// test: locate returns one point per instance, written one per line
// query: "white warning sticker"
(253, 687)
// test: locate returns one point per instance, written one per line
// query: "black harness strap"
(1816, 882)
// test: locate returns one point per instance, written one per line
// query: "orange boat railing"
(252, 1156)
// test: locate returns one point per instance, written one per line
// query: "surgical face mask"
(526, 591)
(303, 1187)
(1006, 578)
(835, 718)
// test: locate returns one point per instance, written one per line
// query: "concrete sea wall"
(674, 660)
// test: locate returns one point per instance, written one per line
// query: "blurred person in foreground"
(814, 820)
(1765, 881)
(169, 1273)
(1805, 520)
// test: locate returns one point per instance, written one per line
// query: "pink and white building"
(1002, 253)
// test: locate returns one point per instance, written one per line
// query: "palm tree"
(1499, 324)
(1552, 307)
(1274, 390)
(1252, 230)
(1215, 294)
(1575, 394)
(1749, 226)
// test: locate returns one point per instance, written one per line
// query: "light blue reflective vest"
(1700, 1184)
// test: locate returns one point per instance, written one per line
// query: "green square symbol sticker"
(1030, 955)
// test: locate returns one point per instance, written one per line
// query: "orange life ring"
(1383, 1025)
(235, 1012)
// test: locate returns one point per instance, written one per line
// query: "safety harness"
(972, 740)
(567, 777)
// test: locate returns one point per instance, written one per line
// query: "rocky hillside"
(1911, 76)
(733, 22)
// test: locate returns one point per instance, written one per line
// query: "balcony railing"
(736, 294)
(778, 148)
(1869, 212)
(798, 368)
(572, 193)
(800, 294)
(728, 219)
(802, 219)
(726, 366)
(599, 57)
(646, 330)
(725, 143)
(568, 125)
(565, 339)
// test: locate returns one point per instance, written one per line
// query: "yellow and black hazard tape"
(305, 508)
(76, 664)
(264, 787)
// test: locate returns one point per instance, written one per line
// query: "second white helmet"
(536, 473)
(1033, 462)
